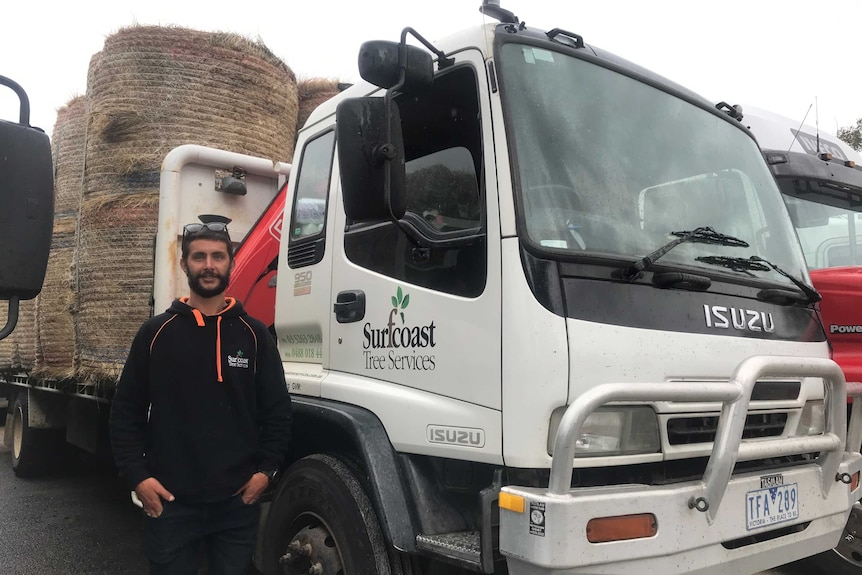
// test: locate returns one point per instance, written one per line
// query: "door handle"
(349, 306)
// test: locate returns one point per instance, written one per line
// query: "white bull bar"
(567, 507)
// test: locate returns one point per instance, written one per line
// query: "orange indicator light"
(621, 528)
(511, 502)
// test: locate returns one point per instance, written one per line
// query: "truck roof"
(776, 132)
(482, 38)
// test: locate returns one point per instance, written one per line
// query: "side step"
(463, 549)
(471, 550)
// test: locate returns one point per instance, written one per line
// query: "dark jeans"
(228, 530)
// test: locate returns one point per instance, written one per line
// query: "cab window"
(308, 216)
(443, 157)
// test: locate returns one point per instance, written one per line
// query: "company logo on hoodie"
(238, 360)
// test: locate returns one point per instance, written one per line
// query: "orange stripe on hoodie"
(218, 347)
(199, 318)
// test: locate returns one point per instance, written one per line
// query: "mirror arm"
(24, 115)
(12, 320)
(442, 61)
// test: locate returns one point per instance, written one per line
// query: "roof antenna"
(817, 123)
(796, 133)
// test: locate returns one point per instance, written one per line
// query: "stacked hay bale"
(313, 92)
(150, 90)
(55, 335)
(18, 350)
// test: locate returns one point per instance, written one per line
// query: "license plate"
(771, 505)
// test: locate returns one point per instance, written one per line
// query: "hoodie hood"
(181, 306)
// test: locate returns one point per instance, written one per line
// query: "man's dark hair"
(206, 234)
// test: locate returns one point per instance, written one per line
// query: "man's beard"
(195, 284)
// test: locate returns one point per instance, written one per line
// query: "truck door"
(430, 318)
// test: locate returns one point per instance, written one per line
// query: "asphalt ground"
(78, 521)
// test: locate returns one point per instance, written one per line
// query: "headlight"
(612, 431)
(812, 420)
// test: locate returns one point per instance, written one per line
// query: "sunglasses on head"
(191, 229)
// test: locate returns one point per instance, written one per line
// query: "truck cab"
(541, 310)
(523, 295)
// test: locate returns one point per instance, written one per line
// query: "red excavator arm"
(252, 280)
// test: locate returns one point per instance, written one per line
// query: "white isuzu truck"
(541, 311)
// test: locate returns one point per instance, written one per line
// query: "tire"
(33, 450)
(846, 557)
(322, 515)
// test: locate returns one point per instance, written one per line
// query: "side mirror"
(365, 148)
(379, 64)
(27, 215)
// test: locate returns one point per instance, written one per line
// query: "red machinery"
(256, 263)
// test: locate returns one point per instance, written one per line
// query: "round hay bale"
(69, 140)
(153, 88)
(312, 92)
(95, 59)
(55, 333)
(113, 280)
(18, 350)
(149, 90)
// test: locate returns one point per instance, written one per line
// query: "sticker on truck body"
(302, 283)
(537, 518)
(399, 344)
(300, 346)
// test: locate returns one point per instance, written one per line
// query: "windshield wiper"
(703, 235)
(757, 263)
(735, 264)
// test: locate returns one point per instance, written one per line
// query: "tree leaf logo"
(400, 301)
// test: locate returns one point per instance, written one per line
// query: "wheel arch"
(321, 426)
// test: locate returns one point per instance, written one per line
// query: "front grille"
(701, 429)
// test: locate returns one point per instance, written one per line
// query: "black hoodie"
(201, 404)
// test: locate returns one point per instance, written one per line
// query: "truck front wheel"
(322, 521)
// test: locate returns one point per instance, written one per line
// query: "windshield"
(609, 166)
(830, 236)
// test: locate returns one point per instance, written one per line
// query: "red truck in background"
(820, 178)
(841, 310)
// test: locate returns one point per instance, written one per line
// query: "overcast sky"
(780, 55)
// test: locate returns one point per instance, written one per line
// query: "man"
(200, 421)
